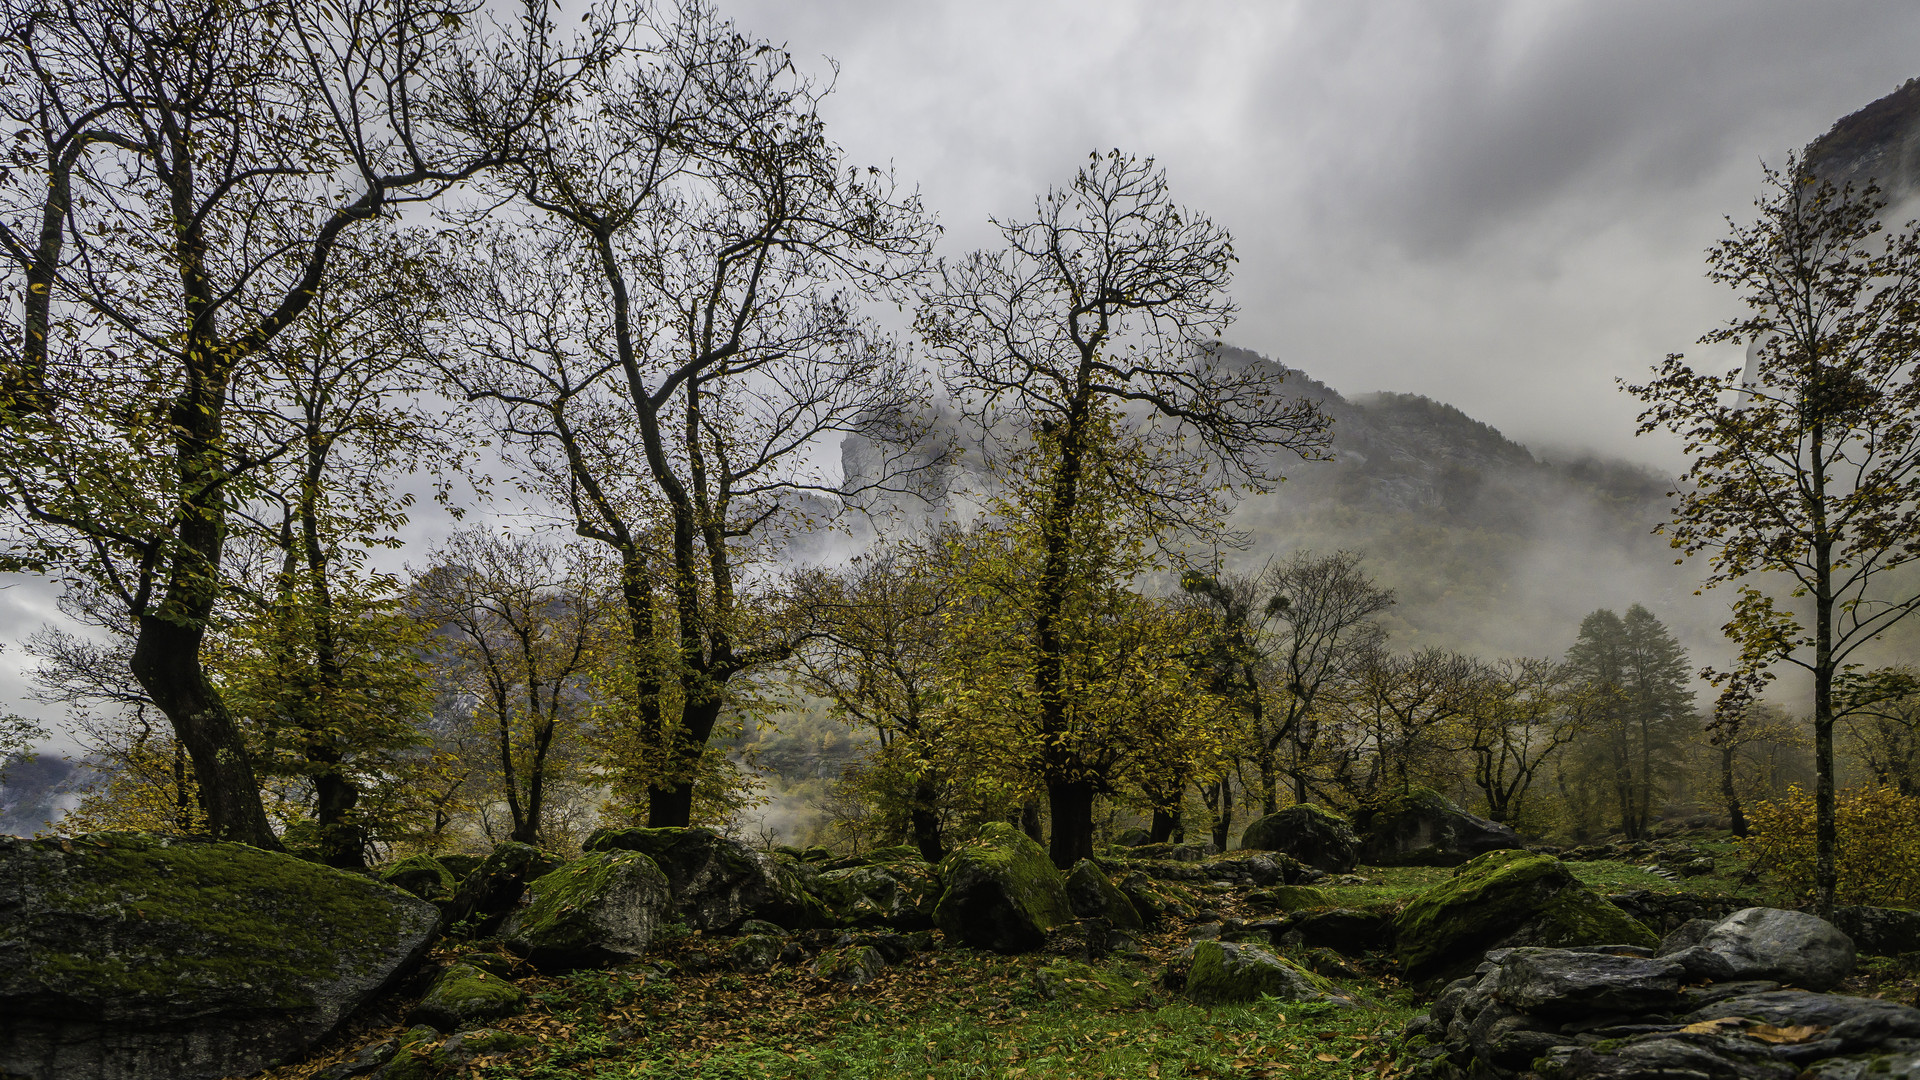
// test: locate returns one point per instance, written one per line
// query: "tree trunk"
(1736, 818)
(924, 821)
(166, 661)
(1030, 821)
(1071, 804)
(1164, 823)
(670, 805)
(343, 845)
(1223, 821)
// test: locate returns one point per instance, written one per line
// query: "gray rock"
(1769, 943)
(1678, 1056)
(1899, 1066)
(1424, 828)
(1222, 972)
(127, 957)
(1092, 895)
(755, 953)
(1344, 930)
(1564, 983)
(1318, 838)
(716, 883)
(1853, 1024)
(600, 909)
(877, 895)
(1509, 1038)
(492, 890)
(369, 1059)
(1878, 931)
(1001, 892)
(1685, 936)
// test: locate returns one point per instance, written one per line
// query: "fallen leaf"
(1713, 1027)
(1797, 1033)
(1325, 1057)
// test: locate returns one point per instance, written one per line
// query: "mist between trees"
(255, 242)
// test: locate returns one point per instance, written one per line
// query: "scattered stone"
(464, 996)
(1133, 838)
(1833, 1023)
(1691, 1055)
(717, 883)
(1084, 984)
(854, 965)
(1316, 837)
(125, 956)
(1193, 852)
(1225, 973)
(1505, 898)
(491, 892)
(1289, 898)
(1768, 943)
(600, 909)
(1002, 893)
(1424, 828)
(1666, 912)
(1093, 895)
(754, 953)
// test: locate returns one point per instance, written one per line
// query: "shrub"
(1877, 849)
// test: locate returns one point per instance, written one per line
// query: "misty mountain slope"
(1880, 142)
(1488, 548)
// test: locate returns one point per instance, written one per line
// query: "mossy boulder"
(135, 956)
(1108, 987)
(1224, 973)
(1156, 901)
(717, 883)
(854, 965)
(755, 952)
(1001, 892)
(1093, 895)
(424, 876)
(1319, 838)
(494, 888)
(1133, 838)
(1289, 898)
(1505, 898)
(464, 996)
(599, 909)
(897, 895)
(460, 863)
(1422, 827)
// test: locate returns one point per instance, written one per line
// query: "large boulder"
(128, 957)
(1319, 838)
(1422, 827)
(1001, 892)
(1093, 895)
(494, 888)
(1505, 898)
(1228, 973)
(897, 895)
(718, 883)
(1769, 943)
(424, 876)
(599, 909)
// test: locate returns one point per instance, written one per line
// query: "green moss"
(1019, 868)
(173, 918)
(1213, 981)
(1118, 987)
(854, 965)
(561, 918)
(463, 994)
(1291, 898)
(422, 875)
(1501, 894)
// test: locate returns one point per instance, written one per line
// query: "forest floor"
(957, 1013)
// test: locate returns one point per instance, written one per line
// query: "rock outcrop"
(1613, 1012)
(1092, 895)
(128, 957)
(600, 909)
(717, 883)
(1318, 838)
(1221, 973)
(1001, 892)
(494, 888)
(466, 995)
(1505, 898)
(1424, 828)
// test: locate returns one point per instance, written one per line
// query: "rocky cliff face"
(1879, 143)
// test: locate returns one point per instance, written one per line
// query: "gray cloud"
(1501, 205)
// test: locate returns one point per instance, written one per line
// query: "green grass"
(1386, 885)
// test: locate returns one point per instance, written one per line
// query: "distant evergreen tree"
(1631, 677)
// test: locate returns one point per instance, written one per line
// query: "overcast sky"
(1500, 205)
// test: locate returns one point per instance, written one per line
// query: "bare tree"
(668, 332)
(1090, 330)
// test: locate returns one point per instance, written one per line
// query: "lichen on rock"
(601, 908)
